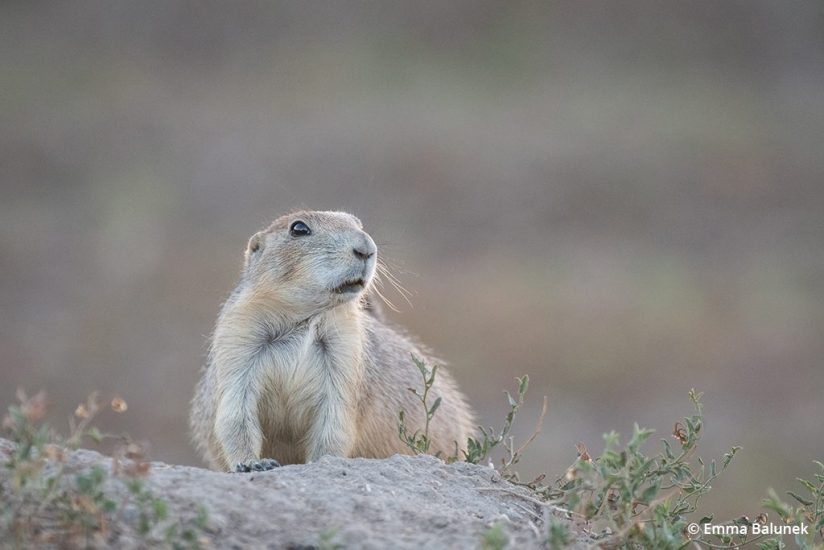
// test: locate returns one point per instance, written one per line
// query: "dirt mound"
(400, 502)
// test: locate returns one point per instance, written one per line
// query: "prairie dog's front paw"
(257, 465)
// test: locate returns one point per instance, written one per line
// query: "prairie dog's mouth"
(350, 286)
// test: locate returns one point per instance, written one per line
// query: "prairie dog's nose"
(366, 248)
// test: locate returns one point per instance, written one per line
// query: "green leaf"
(773, 502)
(84, 483)
(431, 379)
(523, 384)
(512, 402)
(800, 499)
(160, 509)
(98, 474)
(435, 406)
(135, 486)
(809, 486)
(668, 449)
(650, 492)
(94, 434)
(771, 544)
(611, 439)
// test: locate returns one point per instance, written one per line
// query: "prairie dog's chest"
(313, 367)
(321, 358)
(290, 362)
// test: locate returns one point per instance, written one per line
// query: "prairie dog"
(300, 366)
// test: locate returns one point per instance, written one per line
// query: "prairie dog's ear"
(255, 246)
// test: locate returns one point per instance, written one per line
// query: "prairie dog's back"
(390, 371)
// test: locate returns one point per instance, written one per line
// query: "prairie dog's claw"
(256, 466)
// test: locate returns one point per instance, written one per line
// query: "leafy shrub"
(625, 498)
(44, 504)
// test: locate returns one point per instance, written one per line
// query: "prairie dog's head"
(309, 261)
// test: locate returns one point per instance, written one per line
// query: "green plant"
(809, 513)
(43, 503)
(558, 535)
(87, 507)
(36, 468)
(327, 540)
(477, 450)
(418, 441)
(494, 538)
(625, 497)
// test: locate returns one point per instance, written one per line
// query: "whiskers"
(383, 277)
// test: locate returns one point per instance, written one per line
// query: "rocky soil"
(399, 502)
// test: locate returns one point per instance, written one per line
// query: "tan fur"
(297, 371)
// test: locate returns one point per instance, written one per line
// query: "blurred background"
(622, 201)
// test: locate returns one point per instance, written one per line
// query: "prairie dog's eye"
(299, 229)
